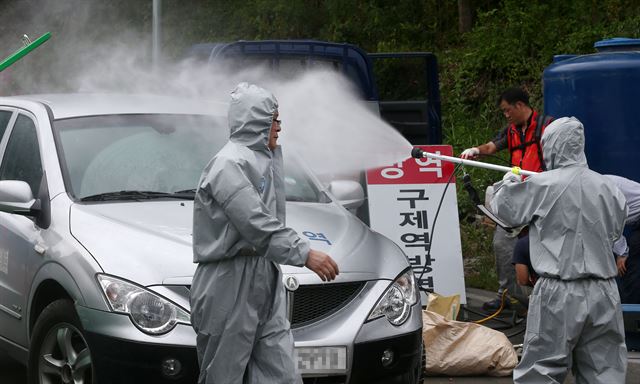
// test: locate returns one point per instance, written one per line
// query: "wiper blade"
(296, 199)
(136, 195)
(192, 190)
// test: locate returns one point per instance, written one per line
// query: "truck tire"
(58, 351)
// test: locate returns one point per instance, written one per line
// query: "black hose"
(435, 218)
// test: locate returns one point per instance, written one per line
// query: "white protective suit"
(575, 215)
(239, 238)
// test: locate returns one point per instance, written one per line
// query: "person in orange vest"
(522, 138)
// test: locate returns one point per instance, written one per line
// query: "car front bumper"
(121, 361)
(127, 362)
(367, 359)
(121, 353)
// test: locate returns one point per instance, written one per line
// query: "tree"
(464, 16)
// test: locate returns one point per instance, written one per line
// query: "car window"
(151, 152)
(161, 153)
(21, 160)
(297, 185)
(5, 116)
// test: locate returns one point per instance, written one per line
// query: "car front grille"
(314, 302)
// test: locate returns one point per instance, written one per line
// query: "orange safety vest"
(525, 149)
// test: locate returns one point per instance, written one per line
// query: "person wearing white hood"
(239, 239)
(574, 215)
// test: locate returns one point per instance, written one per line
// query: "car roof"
(92, 104)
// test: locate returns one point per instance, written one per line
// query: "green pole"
(20, 53)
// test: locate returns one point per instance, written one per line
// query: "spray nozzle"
(417, 153)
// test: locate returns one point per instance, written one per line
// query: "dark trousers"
(630, 282)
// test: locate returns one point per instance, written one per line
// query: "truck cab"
(411, 105)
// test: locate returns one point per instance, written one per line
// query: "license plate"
(321, 359)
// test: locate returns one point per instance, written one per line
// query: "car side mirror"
(349, 193)
(16, 197)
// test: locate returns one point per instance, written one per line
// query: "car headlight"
(397, 300)
(149, 311)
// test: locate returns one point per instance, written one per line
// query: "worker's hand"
(470, 153)
(322, 264)
(621, 263)
(510, 177)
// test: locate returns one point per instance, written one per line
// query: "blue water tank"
(603, 91)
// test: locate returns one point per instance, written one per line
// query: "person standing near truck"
(522, 138)
(239, 240)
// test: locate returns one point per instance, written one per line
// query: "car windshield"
(149, 156)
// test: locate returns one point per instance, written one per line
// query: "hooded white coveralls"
(239, 238)
(575, 215)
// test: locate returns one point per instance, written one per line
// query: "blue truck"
(418, 118)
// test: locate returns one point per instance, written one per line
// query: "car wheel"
(416, 376)
(59, 352)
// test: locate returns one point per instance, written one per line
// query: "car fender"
(56, 273)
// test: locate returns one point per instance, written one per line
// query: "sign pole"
(418, 153)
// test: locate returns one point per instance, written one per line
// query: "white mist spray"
(335, 131)
(324, 119)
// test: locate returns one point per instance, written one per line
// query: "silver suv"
(96, 199)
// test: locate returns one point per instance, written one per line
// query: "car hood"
(150, 242)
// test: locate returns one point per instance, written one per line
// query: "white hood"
(150, 242)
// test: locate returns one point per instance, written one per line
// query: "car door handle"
(39, 249)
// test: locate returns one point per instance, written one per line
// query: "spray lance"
(28, 46)
(419, 153)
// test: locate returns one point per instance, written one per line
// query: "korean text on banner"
(403, 201)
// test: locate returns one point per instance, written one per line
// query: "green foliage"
(511, 45)
(479, 261)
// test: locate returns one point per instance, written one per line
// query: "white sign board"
(403, 201)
